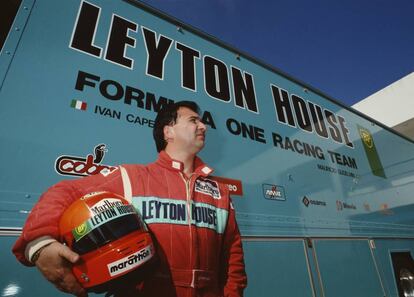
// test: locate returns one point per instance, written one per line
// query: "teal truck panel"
(284, 262)
(80, 85)
(347, 268)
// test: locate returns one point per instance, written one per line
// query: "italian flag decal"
(78, 104)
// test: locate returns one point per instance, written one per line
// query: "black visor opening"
(108, 232)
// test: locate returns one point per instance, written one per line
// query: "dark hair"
(167, 116)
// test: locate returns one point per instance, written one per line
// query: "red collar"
(200, 168)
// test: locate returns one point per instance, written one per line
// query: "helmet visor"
(102, 229)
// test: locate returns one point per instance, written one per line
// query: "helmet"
(110, 237)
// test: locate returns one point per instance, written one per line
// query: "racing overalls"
(191, 218)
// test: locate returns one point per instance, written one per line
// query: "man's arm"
(41, 230)
(234, 275)
(43, 221)
(42, 224)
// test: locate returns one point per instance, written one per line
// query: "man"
(200, 251)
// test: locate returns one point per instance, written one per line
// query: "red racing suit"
(192, 220)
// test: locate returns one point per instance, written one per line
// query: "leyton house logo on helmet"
(130, 262)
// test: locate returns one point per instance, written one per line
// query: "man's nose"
(202, 126)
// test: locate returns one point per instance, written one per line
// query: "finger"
(70, 284)
(79, 292)
(60, 288)
(82, 294)
(68, 254)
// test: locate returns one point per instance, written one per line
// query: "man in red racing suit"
(189, 213)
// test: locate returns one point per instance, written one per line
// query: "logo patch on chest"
(208, 187)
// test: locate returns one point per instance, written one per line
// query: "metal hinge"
(309, 242)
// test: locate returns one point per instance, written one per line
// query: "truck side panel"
(81, 82)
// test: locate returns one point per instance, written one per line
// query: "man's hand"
(55, 263)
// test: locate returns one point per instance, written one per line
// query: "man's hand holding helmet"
(55, 263)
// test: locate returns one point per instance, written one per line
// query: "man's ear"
(168, 132)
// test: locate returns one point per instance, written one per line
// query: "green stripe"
(371, 152)
(73, 103)
(171, 211)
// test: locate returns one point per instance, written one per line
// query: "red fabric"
(159, 191)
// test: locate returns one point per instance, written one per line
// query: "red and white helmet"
(110, 237)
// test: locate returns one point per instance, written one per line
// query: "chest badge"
(208, 187)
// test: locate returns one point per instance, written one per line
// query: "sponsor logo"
(200, 214)
(274, 192)
(384, 209)
(156, 210)
(110, 214)
(105, 205)
(130, 262)
(371, 152)
(235, 186)
(366, 138)
(340, 205)
(101, 218)
(81, 229)
(91, 194)
(349, 206)
(208, 187)
(79, 166)
(306, 201)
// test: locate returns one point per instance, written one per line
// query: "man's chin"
(200, 146)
